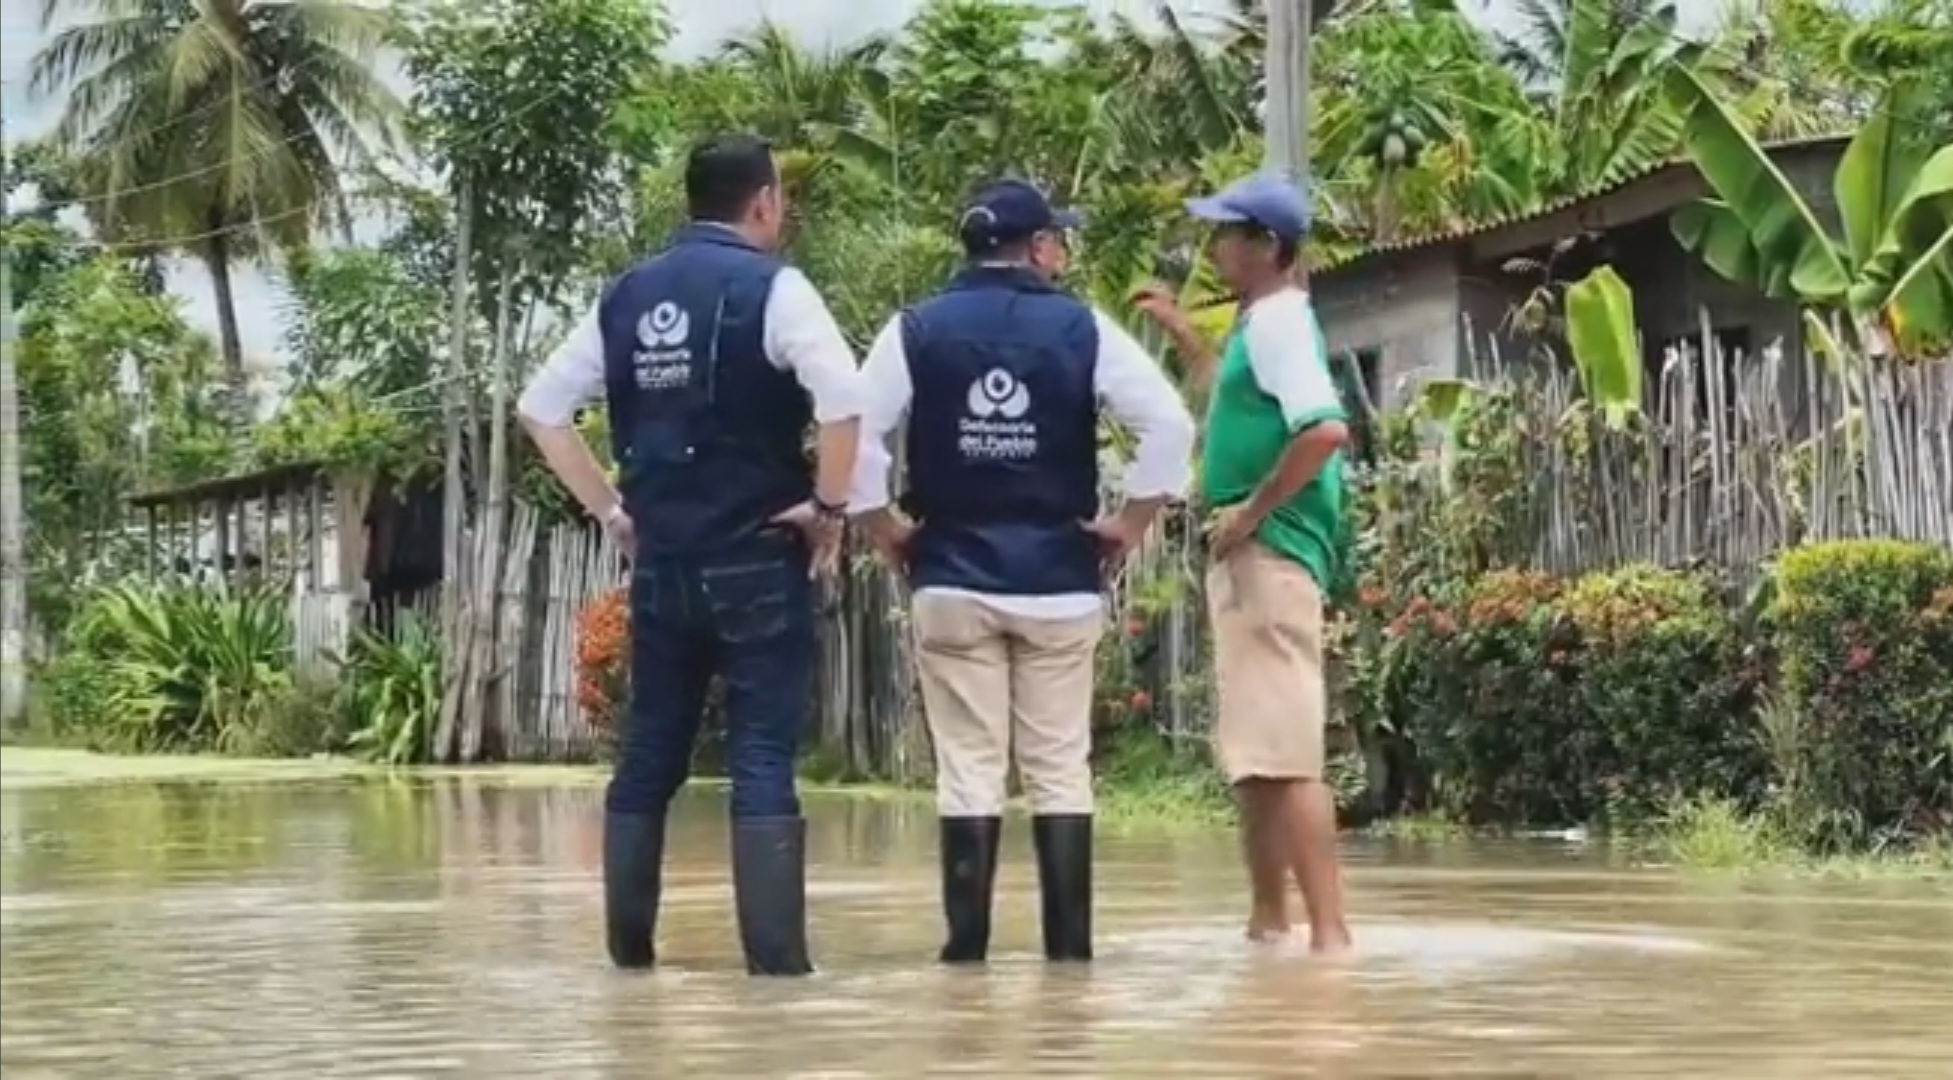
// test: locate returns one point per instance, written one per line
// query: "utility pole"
(13, 510)
(1290, 27)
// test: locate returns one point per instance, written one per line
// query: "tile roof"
(1607, 186)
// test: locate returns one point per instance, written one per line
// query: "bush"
(603, 643)
(1662, 676)
(390, 693)
(1525, 699)
(168, 668)
(1864, 630)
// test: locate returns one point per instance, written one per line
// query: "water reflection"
(406, 927)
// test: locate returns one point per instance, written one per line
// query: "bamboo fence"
(1732, 460)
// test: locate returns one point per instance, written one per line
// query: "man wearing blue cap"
(1272, 470)
(1002, 377)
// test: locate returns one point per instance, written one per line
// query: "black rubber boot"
(634, 850)
(969, 854)
(769, 883)
(1064, 845)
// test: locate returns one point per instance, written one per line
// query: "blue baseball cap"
(1009, 210)
(1262, 199)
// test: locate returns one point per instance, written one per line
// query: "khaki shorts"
(1268, 666)
(1002, 689)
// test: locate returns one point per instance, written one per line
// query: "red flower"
(1859, 658)
(1141, 701)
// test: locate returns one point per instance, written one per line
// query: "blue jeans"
(745, 614)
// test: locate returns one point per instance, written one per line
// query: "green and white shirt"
(1274, 383)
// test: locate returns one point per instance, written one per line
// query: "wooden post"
(267, 502)
(314, 542)
(1287, 68)
(149, 542)
(221, 511)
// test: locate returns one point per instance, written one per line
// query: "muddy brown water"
(421, 928)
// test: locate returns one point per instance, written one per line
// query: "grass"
(1717, 836)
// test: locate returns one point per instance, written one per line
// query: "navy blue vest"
(1003, 436)
(709, 436)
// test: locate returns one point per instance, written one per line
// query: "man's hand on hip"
(823, 530)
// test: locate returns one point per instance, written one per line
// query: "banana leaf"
(1600, 331)
(1910, 276)
(1795, 253)
(1877, 170)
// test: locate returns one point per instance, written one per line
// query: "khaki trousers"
(1268, 666)
(999, 687)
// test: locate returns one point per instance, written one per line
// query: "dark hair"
(723, 174)
(1286, 252)
(979, 245)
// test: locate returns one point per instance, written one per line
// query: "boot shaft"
(1064, 851)
(769, 882)
(969, 864)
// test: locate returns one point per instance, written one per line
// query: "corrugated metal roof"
(1606, 187)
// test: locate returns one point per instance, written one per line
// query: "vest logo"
(995, 428)
(663, 361)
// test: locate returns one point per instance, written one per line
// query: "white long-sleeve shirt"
(801, 336)
(1131, 389)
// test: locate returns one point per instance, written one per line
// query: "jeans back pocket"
(756, 601)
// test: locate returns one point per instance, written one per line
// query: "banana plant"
(1892, 271)
(1607, 354)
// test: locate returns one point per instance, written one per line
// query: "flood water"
(410, 928)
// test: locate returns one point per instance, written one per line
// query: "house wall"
(1447, 308)
(1404, 311)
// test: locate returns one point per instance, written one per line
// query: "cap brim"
(1212, 209)
(1067, 219)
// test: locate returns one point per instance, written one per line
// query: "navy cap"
(1268, 201)
(1010, 210)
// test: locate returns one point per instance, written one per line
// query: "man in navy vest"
(1002, 378)
(714, 359)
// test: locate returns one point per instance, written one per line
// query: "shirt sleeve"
(1286, 358)
(1135, 391)
(802, 337)
(572, 376)
(886, 392)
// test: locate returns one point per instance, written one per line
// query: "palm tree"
(804, 96)
(216, 127)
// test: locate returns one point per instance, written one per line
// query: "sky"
(701, 24)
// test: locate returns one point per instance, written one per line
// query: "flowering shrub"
(603, 642)
(1520, 697)
(1865, 632)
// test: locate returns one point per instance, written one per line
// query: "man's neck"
(737, 230)
(1261, 290)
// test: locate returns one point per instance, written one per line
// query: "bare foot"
(1267, 929)
(1330, 944)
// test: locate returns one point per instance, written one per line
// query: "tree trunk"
(13, 526)
(453, 582)
(217, 256)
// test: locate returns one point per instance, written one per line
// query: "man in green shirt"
(1272, 476)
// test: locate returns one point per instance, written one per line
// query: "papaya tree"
(1890, 273)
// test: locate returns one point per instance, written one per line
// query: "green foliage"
(1864, 630)
(1616, 697)
(203, 127)
(117, 395)
(514, 99)
(174, 668)
(1893, 266)
(391, 691)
